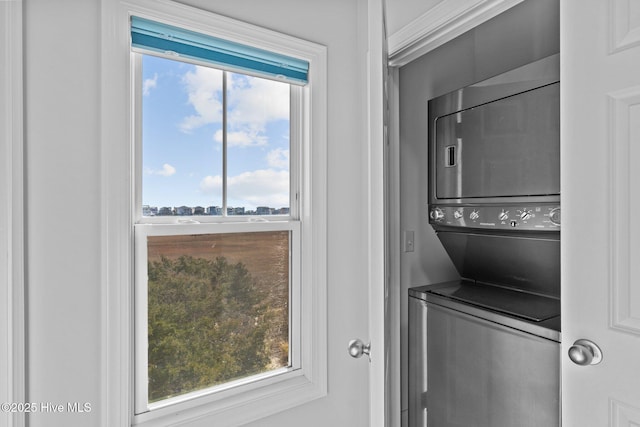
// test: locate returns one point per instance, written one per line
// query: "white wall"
(63, 211)
(523, 34)
(62, 81)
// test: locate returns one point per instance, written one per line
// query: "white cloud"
(167, 170)
(211, 184)
(149, 84)
(241, 138)
(203, 86)
(278, 158)
(264, 187)
(252, 103)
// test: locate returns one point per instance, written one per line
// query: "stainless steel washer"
(483, 356)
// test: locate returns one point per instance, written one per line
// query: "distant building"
(235, 211)
(198, 210)
(264, 210)
(165, 211)
(214, 210)
(184, 211)
(281, 211)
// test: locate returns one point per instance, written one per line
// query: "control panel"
(521, 217)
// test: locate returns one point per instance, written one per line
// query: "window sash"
(295, 139)
(209, 394)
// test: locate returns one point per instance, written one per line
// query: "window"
(214, 148)
(229, 260)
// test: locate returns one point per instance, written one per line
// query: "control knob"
(474, 215)
(525, 215)
(437, 214)
(503, 216)
(554, 216)
(458, 214)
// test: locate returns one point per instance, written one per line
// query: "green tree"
(207, 324)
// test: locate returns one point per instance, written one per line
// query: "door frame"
(12, 212)
(379, 411)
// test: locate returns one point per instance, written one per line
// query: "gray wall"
(523, 34)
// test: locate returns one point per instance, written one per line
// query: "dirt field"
(265, 254)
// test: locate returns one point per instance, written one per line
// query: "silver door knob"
(584, 353)
(357, 348)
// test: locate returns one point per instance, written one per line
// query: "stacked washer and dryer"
(484, 351)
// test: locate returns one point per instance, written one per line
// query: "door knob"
(584, 353)
(357, 348)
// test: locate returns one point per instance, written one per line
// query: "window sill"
(237, 404)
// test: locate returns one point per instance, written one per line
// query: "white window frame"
(237, 405)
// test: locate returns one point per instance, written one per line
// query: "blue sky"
(182, 137)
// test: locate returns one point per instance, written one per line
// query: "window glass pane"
(218, 309)
(258, 145)
(181, 144)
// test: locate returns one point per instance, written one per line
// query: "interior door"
(600, 113)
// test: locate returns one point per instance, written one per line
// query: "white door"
(600, 116)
